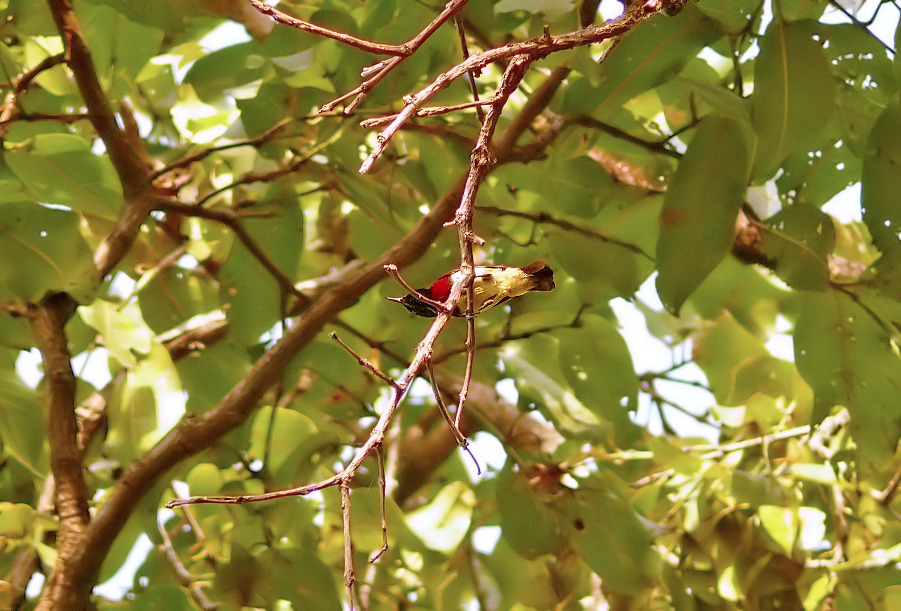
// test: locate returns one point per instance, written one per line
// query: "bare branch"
(481, 164)
(534, 49)
(430, 112)
(363, 362)
(472, 75)
(542, 218)
(126, 153)
(233, 221)
(312, 28)
(380, 453)
(257, 141)
(349, 577)
(375, 74)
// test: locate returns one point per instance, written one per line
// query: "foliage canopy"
(183, 223)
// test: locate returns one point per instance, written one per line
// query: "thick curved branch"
(125, 152)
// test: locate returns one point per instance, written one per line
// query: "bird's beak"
(395, 299)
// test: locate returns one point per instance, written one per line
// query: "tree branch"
(47, 321)
(196, 434)
(534, 49)
(126, 153)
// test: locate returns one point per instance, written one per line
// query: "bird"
(492, 286)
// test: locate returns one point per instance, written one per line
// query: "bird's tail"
(541, 274)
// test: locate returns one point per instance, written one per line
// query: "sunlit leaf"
(847, 358)
(62, 170)
(649, 55)
(49, 253)
(124, 333)
(445, 520)
(793, 93)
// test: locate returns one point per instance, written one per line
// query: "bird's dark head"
(418, 307)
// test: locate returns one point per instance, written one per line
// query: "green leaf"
(21, 423)
(596, 362)
(881, 179)
(49, 253)
(62, 170)
(733, 15)
(818, 175)
(799, 240)
(849, 359)
(256, 302)
(720, 350)
(145, 403)
(699, 209)
(521, 583)
(551, 8)
(225, 70)
(442, 524)
(123, 331)
(171, 296)
(859, 60)
(540, 384)
(650, 54)
(611, 263)
(611, 539)
(793, 527)
(119, 45)
(163, 14)
(209, 370)
(16, 520)
(574, 186)
(204, 479)
(300, 577)
(279, 438)
(794, 94)
(166, 596)
(529, 524)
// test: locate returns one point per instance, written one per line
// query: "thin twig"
(431, 112)
(363, 362)
(534, 49)
(375, 74)
(442, 408)
(380, 454)
(359, 43)
(233, 220)
(481, 164)
(447, 306)
(472, 74)
(542, 218)
(349, 578)
(182, 574)
(254, 142)
(452, 423)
